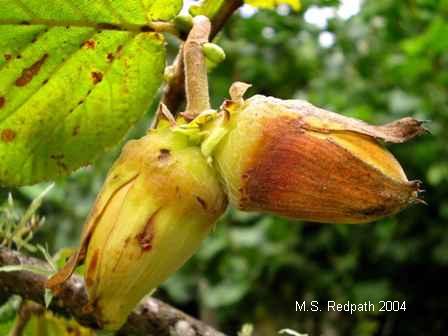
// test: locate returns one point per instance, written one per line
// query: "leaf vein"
(136, 28)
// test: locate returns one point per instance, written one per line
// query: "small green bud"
(214, 53)
(183, 23)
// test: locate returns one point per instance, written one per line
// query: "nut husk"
(290, 158)
(159, 201)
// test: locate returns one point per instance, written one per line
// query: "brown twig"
(174, 94)
(151, 317)
(223, 15)
(195, 68)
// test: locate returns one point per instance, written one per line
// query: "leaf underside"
(75, 75)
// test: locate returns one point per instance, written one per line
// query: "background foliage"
(388, 61)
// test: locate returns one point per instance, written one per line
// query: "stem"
(174, 91)
(196, 80)
(223, 15)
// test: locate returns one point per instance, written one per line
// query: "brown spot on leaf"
(110, 57)
(90, 44)
(91, 268)
(164, 155)
(57, 156)
(146, 237)
(8, 135)
(2, 101)
(8, 57)
(75, 131)
(28, 74)
(201, 202)
(119, 49)
(97, 77)
(59, 162)
(158, 36)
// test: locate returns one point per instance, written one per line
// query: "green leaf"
(74, 77)
(431, 41)
(27, 268)
(6, 326)
(224, 294)
(211, 7)
(48, 297)
(32, 209)
(8, 311)
(48, 258)
(206, 7)
(62, 256)
(295, 4)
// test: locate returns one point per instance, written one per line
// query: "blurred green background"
(379, 61)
